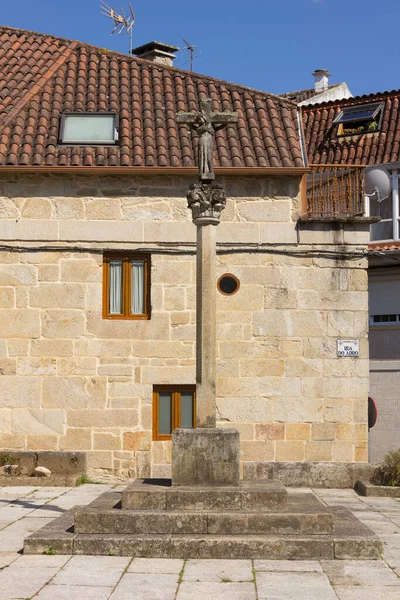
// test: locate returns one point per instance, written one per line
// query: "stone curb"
(368, 489)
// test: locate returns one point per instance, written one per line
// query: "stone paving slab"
(211, 590)
(367, 593)
(27, 525)
(218, 570)
(294, 586)
(92, 571)
(161, 565)
(6, 558)
(74, 592)
(287, 565)
(22, 583)
(137, 586)
(11, 542)
(359, 572)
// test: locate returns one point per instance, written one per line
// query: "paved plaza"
(55, 577)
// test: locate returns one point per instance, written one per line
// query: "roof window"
(89, 129)
(353, 120)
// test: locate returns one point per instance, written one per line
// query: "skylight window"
(359, 119)
(89, 129)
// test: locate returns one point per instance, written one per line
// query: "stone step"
(217, 523)
(350, 540)
(207, 546)
(150, 494)
(316, 547)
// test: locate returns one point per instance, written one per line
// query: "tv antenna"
(121, 22)
(191, 49)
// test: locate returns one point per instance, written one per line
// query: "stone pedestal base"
(205, 457)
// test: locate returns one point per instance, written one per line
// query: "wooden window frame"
(126, 258)
(176, 391)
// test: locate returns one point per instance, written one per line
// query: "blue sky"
(273, 45)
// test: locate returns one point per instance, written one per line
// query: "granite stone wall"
(71, 380)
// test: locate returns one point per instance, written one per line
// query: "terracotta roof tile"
(384, 247)
(43, 76)
(325, 146)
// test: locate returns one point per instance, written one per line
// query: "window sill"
(343, 135)
(385, 326)
(123, 318)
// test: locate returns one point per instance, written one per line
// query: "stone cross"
(206, 201)
(206, 123)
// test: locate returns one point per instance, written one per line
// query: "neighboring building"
(321, 92)
(365, 131)
(97, 273)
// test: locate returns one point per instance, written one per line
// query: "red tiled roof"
(42, 76)
(384, 246)
(324, 146)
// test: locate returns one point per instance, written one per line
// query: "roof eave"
(118, 170)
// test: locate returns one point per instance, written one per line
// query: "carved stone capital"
(206, 201)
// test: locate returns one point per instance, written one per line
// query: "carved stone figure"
(206, 123)
(206, 201)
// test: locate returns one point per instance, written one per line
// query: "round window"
(228, 284)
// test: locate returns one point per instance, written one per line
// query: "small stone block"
(203, 499)
(137, 522)
(61, 543)
(205, 457)
(368, 489)
(146, 494)
(145, 546)
(269, 524)
(361, 549)
(252, 547)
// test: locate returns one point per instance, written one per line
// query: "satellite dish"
(378, 183)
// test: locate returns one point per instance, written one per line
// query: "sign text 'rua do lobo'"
(206, 455)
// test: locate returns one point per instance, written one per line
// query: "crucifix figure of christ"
(206, 123)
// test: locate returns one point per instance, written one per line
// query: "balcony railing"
(335, 191)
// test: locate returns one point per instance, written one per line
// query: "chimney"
(157, 52)
(321, 80)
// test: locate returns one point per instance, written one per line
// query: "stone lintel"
(205, 457)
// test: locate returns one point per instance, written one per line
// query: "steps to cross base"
(257, 520)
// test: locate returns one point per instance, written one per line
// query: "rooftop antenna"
(121, 22)
(191, 49)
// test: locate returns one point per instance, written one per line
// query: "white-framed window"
(89, 129)
(384, 297)
(388, 227)
(384, 319)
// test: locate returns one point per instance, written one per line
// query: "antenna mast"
(121, 23)
(191, 48)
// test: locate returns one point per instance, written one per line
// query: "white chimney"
(321, 80)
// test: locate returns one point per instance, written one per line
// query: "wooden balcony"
(334, 192)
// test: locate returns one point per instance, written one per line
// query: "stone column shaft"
(206, 326)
